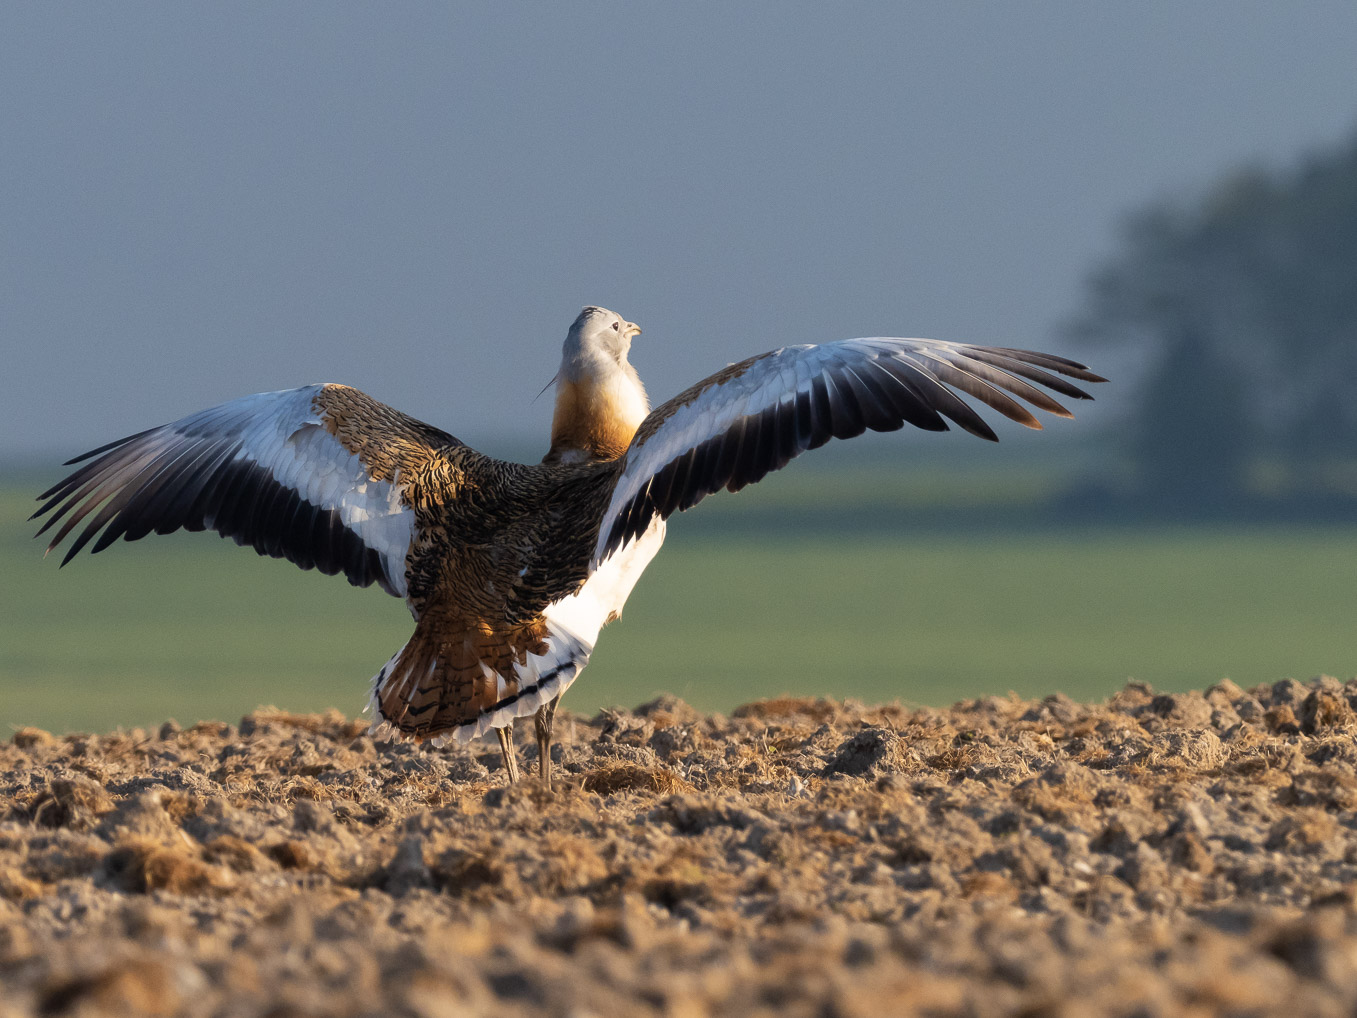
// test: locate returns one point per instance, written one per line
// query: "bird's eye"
(616, 326)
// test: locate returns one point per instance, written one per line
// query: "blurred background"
(205, 201)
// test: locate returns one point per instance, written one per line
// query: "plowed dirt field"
(1154, 855)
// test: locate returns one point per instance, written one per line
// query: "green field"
(192, 627)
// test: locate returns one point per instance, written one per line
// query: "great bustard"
(510, 570)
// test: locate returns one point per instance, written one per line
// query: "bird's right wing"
(753, 417)
(316, 475)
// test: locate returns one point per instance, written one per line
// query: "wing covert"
(313, 475)
(733, 428)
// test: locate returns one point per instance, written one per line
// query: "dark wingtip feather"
(105, 448)
(1082, 373)
(52, 493)
(1054, 362)
(975, 425)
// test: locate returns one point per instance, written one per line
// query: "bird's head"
(599, 333)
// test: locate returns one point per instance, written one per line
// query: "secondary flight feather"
(511, 570)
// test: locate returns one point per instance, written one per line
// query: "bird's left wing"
(753, 417)
(316, 475)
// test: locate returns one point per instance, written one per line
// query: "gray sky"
(206, 200)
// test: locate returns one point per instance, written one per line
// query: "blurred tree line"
(1244, 302)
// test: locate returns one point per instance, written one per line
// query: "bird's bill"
(630, 329)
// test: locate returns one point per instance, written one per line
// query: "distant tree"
(1245, 303)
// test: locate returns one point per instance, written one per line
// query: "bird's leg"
(506, 747)
(546, 716)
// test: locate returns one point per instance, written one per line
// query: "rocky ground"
(1156, 855)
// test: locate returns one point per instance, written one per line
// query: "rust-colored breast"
(588, 420)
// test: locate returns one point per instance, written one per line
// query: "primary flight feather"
(510, 570)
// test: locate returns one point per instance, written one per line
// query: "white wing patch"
(327, 475)
(261, 469)
(602, 596)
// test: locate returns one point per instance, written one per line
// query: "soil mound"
(1157, 854)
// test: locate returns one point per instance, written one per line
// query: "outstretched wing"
(731, 429)
(313, 475)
